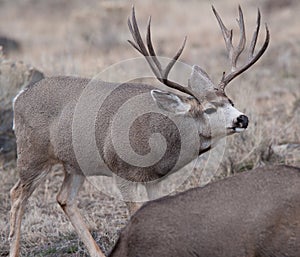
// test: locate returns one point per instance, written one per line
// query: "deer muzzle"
(241, 123)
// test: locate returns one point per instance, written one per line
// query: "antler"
(150, 55)
(234, 53)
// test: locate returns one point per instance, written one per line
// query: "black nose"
(242, 121)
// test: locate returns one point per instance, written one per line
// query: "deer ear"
(200, 81)
(170, 102)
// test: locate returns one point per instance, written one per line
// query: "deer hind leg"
(67, 200)
(19, 196)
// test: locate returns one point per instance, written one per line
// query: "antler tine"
(251, 61)
(134, 30)
(255, 35)
(164, 73)
(150, 55)
(242, 41)
(227, 34)
(235, 53)
(139, 44)
(174, 59)
(151, 48)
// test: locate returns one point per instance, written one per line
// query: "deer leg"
(67, 200)
(131, 191)
(18, 202)
(19, 196)
(155, 190)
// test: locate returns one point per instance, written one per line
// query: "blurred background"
(81, 38)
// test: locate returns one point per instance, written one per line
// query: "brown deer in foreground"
(252, 214)
(43, 124)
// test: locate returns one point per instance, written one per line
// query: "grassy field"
(61, 37)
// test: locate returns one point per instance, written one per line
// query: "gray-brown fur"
(140, 132)
(46, 132)
(43, 127)
(44, 124)
(43, 121)
(256, 213)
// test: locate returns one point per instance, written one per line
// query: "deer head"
(206, 101)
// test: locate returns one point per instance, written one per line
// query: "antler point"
(268, 32)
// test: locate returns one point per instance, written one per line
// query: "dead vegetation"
(67, 37)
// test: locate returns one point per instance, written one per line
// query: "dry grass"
(72, 38)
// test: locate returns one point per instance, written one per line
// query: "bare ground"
(82, 38)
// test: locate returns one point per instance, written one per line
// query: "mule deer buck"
(254, 213)
(43, 126)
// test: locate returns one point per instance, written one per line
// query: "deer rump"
(255, 213)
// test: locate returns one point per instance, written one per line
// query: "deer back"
(255, 213)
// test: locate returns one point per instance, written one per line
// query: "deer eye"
(210, 110)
